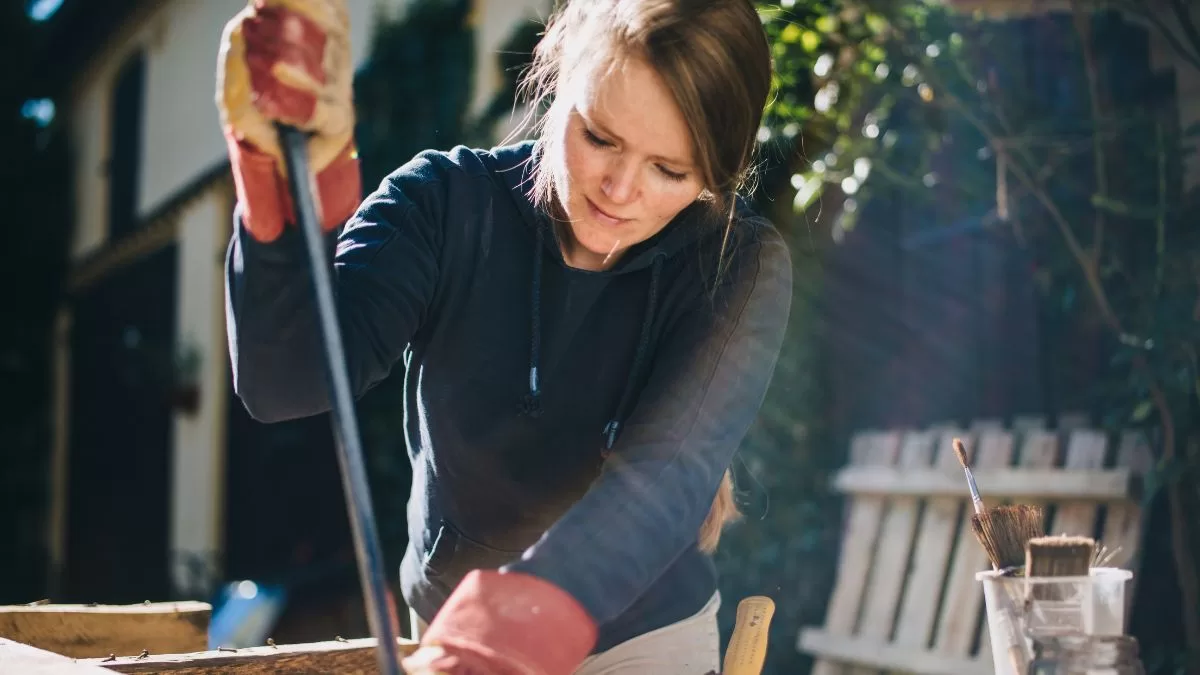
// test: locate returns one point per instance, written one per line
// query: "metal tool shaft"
(380, 609)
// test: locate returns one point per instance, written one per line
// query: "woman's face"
(626, 167)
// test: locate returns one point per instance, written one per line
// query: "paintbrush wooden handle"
(747, 650)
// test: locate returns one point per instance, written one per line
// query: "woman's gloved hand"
(505, 623)
(288, 61)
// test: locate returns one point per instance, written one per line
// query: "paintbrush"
(1002, 531)
(960, 451)
(1059, 556)
(1055, 601)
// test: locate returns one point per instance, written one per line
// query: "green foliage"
(413, 92)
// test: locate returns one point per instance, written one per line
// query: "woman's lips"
(604, 217)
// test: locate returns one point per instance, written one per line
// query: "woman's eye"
(595, 140)
(672, 175)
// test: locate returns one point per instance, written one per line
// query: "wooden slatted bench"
(906, 598)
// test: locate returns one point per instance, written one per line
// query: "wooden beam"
(878, 654)
(83, 631)
(1119, 484)
(334, 656)
(16, 657)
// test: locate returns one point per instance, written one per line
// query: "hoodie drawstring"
(614, 425)
(531, 403)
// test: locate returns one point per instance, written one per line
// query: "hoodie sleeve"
(705, 389)
(385, 270)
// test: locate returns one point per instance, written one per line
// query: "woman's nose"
(620, 183)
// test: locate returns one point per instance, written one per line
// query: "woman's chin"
(592, 245)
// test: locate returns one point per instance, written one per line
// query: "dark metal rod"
(380, 612)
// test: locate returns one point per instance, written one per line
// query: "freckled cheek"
(668, 203)
(582, 168)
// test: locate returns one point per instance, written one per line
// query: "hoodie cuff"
(515, 623)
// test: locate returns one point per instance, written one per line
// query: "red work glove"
(288, 61)
(505, 623)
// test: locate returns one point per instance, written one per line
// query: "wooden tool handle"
(747, 650)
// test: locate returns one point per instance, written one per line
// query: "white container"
(1092, 605)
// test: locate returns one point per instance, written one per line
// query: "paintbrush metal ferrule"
(960, 452)
(976, 501)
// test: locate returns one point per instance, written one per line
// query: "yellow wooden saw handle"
(747, 649)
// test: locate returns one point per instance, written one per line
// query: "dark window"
(125, 138)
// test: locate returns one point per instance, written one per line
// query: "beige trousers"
(688, 647)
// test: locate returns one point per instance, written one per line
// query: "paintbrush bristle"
(1059, 556)
(1104, 555)
(960, 451)
(1004, 531)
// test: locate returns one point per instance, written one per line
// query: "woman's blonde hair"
(714, 57)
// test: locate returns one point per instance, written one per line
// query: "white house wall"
(181, 134)
(198, 438)
(89, 138)
(494, 22)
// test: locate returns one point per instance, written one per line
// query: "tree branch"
(1185, 22)
(1083, 27)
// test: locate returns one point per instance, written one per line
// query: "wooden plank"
(939, 523)
(22, 659)
(99, 630)
(858, 542)
(894, 658)
(963, 596)
(1085, 450)
(886, 581)
(1021, 484)
(1123, 524)
(334, 656)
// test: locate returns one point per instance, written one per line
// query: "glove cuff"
(266, 198)
(517, 622)
(260, 188)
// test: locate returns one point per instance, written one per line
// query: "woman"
(588, 322)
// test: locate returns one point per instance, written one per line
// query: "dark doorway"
(120, 436)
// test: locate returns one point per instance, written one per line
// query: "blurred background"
(987, 203)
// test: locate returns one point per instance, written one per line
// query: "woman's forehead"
(630, 101)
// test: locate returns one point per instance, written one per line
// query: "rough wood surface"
(84, 631)
(348, 657)
(21, 659)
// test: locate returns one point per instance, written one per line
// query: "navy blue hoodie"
(568, 424)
